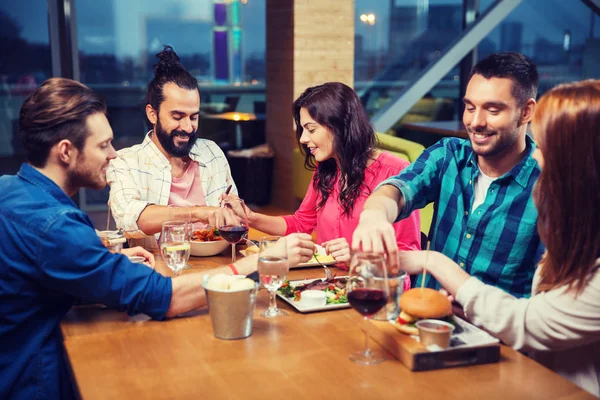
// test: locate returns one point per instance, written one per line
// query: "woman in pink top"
(334, 132)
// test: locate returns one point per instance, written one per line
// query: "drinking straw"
(108, 217)
(426, 264)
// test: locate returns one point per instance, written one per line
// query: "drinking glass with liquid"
(175, 245)
(234, 226)
(367, 291)
(273, 268)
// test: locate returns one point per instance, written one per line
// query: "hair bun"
(169, 62)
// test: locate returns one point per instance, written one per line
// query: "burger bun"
(425, 303)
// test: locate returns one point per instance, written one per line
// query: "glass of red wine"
(234, 226)
(367, 293)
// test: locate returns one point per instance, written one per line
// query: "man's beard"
(84, 176)
(167, 140)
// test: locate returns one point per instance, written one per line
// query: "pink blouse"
(330, 222)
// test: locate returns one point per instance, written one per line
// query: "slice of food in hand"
(322, 254)
(421, 303)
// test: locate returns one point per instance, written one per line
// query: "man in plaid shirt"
(172, 166)
(484, 217)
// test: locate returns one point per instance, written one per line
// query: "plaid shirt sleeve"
(216, 174)
(125, 198)
(424, 176)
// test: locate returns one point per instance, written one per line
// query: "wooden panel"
(308, 43)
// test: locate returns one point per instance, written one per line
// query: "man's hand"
(339, 249)
(241, 212)
(376, 234)
(216, 216)
(140, 251)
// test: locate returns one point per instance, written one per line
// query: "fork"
(327, 271)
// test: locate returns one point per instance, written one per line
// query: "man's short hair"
(167, 70)
(57, 110)
(517, 67)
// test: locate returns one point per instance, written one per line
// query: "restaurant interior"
(408, 61)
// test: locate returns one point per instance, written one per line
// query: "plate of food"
(334, 292)
(207, 242)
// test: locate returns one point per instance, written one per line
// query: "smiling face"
(89, 168)
(316, 137)
(176, 121)
(494, 120)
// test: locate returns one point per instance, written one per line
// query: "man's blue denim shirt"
(50, 255)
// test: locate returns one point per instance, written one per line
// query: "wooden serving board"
(417, 357)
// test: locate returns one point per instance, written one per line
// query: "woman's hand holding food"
(339, 249)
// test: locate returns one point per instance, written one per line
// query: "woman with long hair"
(334, 133)
(560, 324)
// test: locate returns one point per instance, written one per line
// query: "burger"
(421, 303)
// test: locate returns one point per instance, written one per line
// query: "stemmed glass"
(175, 245)
(234, 226)
(367, 292)
(273, 268)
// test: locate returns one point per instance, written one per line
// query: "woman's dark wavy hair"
(338, 108)
(566, 194)
(168, 69)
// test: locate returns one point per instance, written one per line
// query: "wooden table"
(300, 356)
(446, 128)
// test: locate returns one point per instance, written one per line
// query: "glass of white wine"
(175, 245)
(273, 268)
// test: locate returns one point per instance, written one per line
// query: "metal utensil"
(328, 276)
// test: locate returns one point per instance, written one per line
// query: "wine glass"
(234, 224)
(367, 292)
(175, 245)
(273, 268)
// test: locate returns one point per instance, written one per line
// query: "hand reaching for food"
(339, 249)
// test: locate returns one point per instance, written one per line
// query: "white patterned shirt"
(141, 175)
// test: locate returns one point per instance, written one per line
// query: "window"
(23, 36)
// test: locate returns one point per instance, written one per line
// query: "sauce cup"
(434, 331)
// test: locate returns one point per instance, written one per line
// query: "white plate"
(310, 263)
(304, 309)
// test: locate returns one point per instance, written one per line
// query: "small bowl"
(137, 259)
(313, 298)
(206, 249)
(434, 331)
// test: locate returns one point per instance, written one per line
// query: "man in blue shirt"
(50, 252)
(484, 218)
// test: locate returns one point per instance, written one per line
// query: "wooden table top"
(299, 356)
(446, 128)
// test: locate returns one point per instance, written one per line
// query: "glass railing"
(412, 34)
